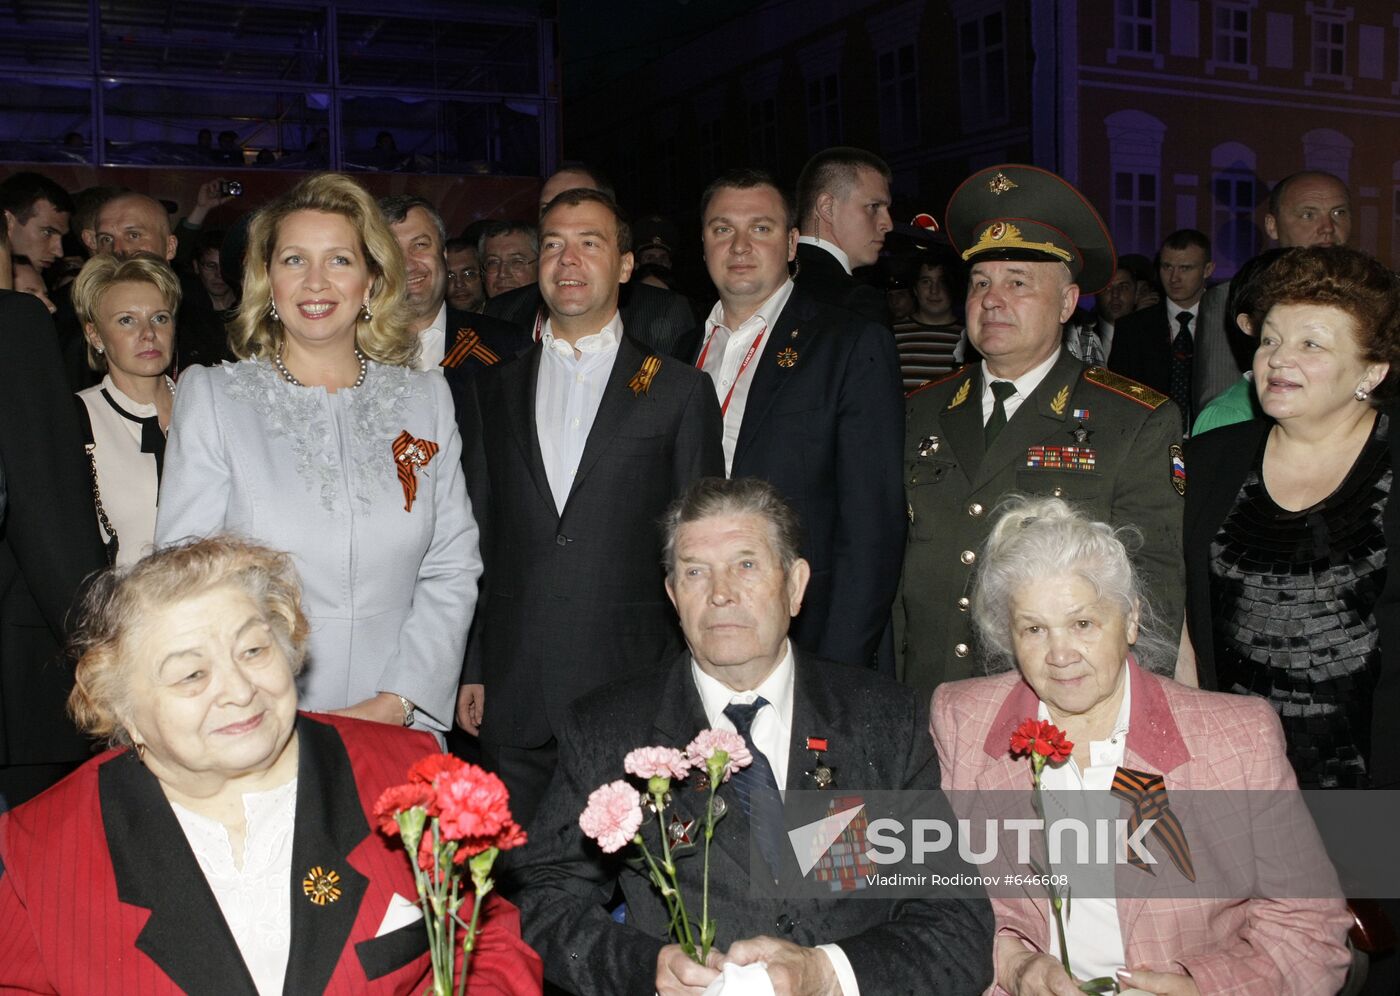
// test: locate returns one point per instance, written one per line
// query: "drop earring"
(365, 313)
(272, 312)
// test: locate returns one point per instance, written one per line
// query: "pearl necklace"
(287, 374)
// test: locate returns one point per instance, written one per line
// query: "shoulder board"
(1125, 387)
(941, 380)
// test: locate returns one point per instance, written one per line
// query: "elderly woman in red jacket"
(1058, 597)
(227, 843)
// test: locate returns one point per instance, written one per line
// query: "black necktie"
(1183, 349)
(756, 786)
(1001, 390)
(152, 436)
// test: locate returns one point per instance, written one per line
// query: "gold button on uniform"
(964, 603)
(968, 557)
(961, 650)
(975, 510)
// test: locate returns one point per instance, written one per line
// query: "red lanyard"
(743, 364)
(539, 324)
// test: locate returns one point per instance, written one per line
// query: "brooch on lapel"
(641, 380)
(468, 343)
(961, 396)
(787, 357)
(321, 885)
(409, 455)
(823, 776)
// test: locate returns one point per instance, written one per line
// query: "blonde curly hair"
(119, 600)
(385, 337)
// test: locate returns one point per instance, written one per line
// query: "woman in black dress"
(1288, 516)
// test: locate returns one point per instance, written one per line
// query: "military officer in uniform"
(1029, 418)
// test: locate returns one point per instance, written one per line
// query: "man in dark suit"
(571, 454)
(456, 343)
(661, 318)
(843, 207)
(736, 579)
(811, 401)
(48, 544)
(1157, 345)
(1028, 418)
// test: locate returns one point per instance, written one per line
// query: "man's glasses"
(495, 264)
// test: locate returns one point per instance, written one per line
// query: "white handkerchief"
(742, 980)
(401, 913)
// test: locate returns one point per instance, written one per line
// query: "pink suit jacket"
(1196, 740)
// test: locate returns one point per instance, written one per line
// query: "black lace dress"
(1293, 596)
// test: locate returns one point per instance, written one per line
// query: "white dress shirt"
(830, 247)
(1095, 936)
(570, 389)
(725, 354)
(252, 889)
(432, 343)
(772, 734)
(1025, 384)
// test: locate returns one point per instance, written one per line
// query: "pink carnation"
(706, 742)
(656, 762)
(613, 815)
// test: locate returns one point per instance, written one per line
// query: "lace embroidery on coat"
(302, 417)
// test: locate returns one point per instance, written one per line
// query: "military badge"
(787, 357)
(1000, 183)
(321, 886)
(1058, 402)
(1080, 434)
(1080, 414)
(927, 445)
(1061, 458)
(960, 396)
(822, 775)
(1178, 458)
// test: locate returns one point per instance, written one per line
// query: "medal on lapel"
(680, 830)
(927, 445)
(321, 885)
(823, 776)
(787, 357)
(411, 455)
(641, 380)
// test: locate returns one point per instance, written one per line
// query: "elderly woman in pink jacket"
(1057, 595)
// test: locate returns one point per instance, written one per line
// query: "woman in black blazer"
(1288, 523)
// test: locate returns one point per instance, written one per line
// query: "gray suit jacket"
(389, 593)
(878, 736)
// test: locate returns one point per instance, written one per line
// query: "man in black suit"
(48, 544)
(457, 343)
(656, 317)
(811, 401)
(734, 574)
(843, 206)
(571, 454)
(1156, 346)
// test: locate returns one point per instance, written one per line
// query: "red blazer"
(100, 893)
(1195, 740)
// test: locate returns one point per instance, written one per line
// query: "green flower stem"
(668, 891)
(707, 926)
(659, 798)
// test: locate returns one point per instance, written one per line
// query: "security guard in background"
(1028, 419)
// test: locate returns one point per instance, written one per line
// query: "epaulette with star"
(1125, 387)
(934, 383)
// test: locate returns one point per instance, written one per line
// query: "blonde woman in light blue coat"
(322, 441)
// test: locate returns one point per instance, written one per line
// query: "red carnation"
(427, 769)
(1041, 737)
(398, 799)
(474, 809)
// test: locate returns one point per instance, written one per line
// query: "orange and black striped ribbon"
(409, 455)
(641, 380)
(1148, 795)
(468, 343)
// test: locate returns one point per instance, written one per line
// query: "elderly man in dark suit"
(843, 206)
(660, 317)
(48, 544)
(736, 579)
(811, 401)
(572, 452)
